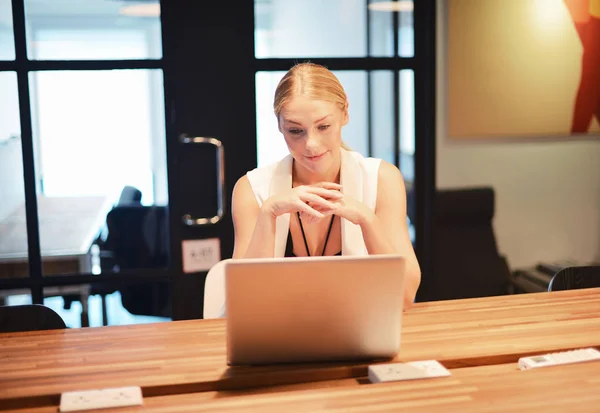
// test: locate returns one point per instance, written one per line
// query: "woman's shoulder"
(389, 177)
(389, 169)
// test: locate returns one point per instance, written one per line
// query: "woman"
(322, 199)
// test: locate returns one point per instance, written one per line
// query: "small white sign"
(200, 254)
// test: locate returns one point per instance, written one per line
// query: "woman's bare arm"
(386, 232)
(254, 228)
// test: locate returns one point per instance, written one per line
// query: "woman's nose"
(312, 140)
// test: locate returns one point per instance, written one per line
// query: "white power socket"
(380, 373)
(76, 401)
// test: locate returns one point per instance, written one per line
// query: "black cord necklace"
(304, 235)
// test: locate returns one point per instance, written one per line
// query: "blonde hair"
(311, 80)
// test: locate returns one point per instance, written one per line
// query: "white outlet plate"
(200, 254)
(380, 373)
(77, 401)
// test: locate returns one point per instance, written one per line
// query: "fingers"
(323, 210)
(316, 201)
(308, 219)
(311, 219)
(328, 185)
(305, 209)
(323, 193)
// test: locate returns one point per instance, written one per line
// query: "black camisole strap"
(326, 237)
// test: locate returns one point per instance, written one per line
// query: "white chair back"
(214, 291)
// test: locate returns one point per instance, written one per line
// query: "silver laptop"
(313, 309)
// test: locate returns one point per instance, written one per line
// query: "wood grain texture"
(498, 388)
(190, 356)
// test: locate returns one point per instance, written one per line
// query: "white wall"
(547, 189)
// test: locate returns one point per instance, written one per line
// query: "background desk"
(68, 227)
(190, 356)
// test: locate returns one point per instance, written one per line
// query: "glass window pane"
(406, 30)
(13, 227)
(382, 122)
(98, 30)
(381, 15)
(70, 302)
(100, 141)
(88, 305)
(382, 114)
(334, 28)
(19, 296)
(82, 305)
(382, 127)
(381, 36)
(271, 146)
(314, 28)
(7, 43)
(355, 133)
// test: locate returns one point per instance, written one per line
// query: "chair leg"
(104, 310)
(85, 320)
(85, 291)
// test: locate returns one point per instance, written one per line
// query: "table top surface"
(498, 388)
(68, 226)
(190, 356)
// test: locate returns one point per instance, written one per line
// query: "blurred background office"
(125, 124)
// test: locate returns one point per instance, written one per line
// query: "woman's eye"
(295, 131)
(323, 127)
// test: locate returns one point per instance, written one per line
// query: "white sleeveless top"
(358, 178)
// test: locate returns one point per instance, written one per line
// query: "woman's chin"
(321, 166)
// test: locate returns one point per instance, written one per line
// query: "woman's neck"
(302, 176)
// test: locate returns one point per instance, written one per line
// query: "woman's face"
(313, 132)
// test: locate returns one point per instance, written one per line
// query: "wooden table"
(190, 356)
(499, 388)
(67, 228)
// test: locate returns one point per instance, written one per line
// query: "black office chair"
(466, 259)
(129, 196)
(572, 278)
(137, 239)
(29, 317)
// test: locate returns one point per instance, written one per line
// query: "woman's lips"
(316, 158)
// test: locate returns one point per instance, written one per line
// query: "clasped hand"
(317, 201)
